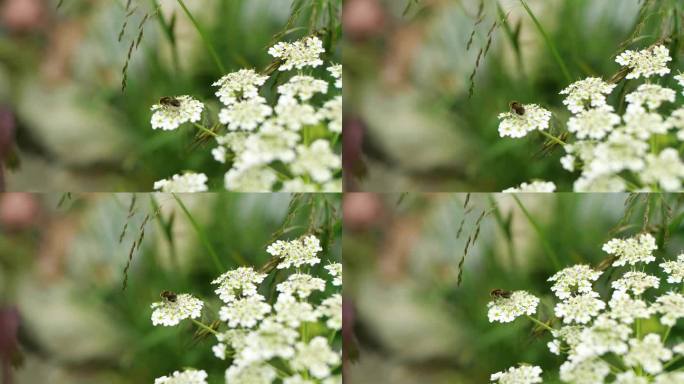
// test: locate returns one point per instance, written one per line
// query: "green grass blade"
(203, 36)
(202, 235)
(540, 232)
(549, 43)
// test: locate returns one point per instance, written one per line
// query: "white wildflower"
(506, 309)
(626, 309)
(189, 376)
(604, 336)
(332, 112)
(240, 85)
(170, 115)
(257, 373)
(292, 313)
(638, 249)
(303, 87)
(515, 125)
(674, 269)
(536, 186)
(294, 115)
(298, 54)
(573, 280)
(524, 374)
(271, 143)
(648, 353)
(238, 283)
(587, 93)
(666, 170)
(599, 184)
(246, 114)
(651, 96)
(646, 63)
(671, 307)
(335, 270)
(336, 72)
(332, 309)
(317, 160)
(244, 312)
(169, 313)
(630, 377)
(579, 309)
(252, 179)
(593, 123)
(316, 357)
(587, 371)
(643, 124)
(189, 182)
(270, 340)
(296, 253)
(301, 285)
(636, 282)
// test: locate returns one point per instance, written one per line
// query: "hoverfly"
(517, 108)
(500, 293)
(169, 296)
(169, 101)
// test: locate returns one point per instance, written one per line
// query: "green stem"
(202, 235)
(549, 43)
(544, 325)
(542, 236)
(205, 129)
(202, 325)
(203, 36)
(553, 138)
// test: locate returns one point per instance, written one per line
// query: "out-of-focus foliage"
(63, 267)
(61, 72)
(411, 66)
(420, 268)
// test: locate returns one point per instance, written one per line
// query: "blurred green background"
(411, 319)
(410, 124)
(62, 274)
(66, 125)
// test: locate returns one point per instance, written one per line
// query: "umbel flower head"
(507, 309)
(586, 94)
(517, 125)
(638, 249)
(298, 54)
(171, 112)
(239, 282)
(646, 63)
(296, 253)
(674, 269)
(524, 374)
(570, 281)
(241, 85)
(536, 186)
(170, 313)
(188, 182)
(189, 376)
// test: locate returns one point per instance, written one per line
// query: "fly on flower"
(500, 293)
(169, 101)
(517, 107)
(169, 295)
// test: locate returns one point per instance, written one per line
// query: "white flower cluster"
(536, 186)
(288, 144)
(171, 312)
(188, 182)
(516, 124)
(189, 376)
(288, 342)
(613, 152)
(595, 333)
